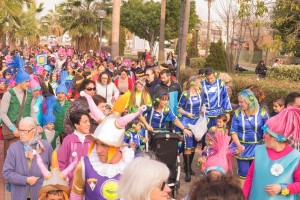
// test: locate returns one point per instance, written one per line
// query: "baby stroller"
(164, 144)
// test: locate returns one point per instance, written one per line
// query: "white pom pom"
(74, 154)
(82, 93)
(34, 152)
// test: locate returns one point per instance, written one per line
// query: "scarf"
(33, 147)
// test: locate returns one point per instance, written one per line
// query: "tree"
(286, 22)
(192, 46)
(10, 15)
(115, 30)
(217, 56)
(122, 41)
(162, 30)
(143, 19)
(209, 2)
(81, 19)
(185, 30)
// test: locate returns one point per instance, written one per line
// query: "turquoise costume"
(281, 171)
(250, 134)
(157, 119)
(191, 104)
(37, 106)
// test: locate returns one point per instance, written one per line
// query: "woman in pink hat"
(275, 171)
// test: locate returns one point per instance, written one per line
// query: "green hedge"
(289, 72)
(198, 62)
(272, 88)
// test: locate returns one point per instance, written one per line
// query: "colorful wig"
(251, 100)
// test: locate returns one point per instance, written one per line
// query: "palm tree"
(161, 55)
(185, 30)
(81, 19)
(115, 29)
(10, 14)
(51, 24)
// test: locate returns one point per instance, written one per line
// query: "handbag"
(7, 133)
(200, 128)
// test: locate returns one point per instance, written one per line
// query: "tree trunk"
(182, 5)
(185, 30)
(115, 29)
(208, 28)
(161, 55)
(151, 45)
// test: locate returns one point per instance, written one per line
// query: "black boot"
(187, 166)
(192, 157)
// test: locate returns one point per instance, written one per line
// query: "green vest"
(15, 105)
(53, 142)
(60, 115)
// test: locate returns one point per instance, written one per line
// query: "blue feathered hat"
(18, 64)
(49, 117)
(62, 87)
(48, 68)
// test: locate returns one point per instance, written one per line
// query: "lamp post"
(102, 15)
(197, 28)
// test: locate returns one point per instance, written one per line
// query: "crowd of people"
(76, 124)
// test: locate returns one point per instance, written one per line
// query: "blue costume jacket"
(191, 104)
(216, 98)
(157, 119)
(249, 131)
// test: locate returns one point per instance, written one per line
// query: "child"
(220, 127)
(134, 138)
(278, 105)
(219, 155)
(49, 119)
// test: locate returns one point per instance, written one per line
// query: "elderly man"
(97, 175)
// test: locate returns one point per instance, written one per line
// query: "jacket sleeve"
(9, 173)
(226, 105)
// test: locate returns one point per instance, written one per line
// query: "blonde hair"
(145, 95)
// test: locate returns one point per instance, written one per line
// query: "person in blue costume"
(216, 98)
(156, 115)
(134, 137)
(246, 130)
(189, 109)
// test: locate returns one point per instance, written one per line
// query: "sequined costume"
(158, 119)
(250, 134)
(191, 104)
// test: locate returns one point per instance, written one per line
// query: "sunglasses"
(163, 185)
(90, 89)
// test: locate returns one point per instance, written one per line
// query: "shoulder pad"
(237, 111)
(167, 109)
(185, 93)
(263, 112)
(222, 83)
